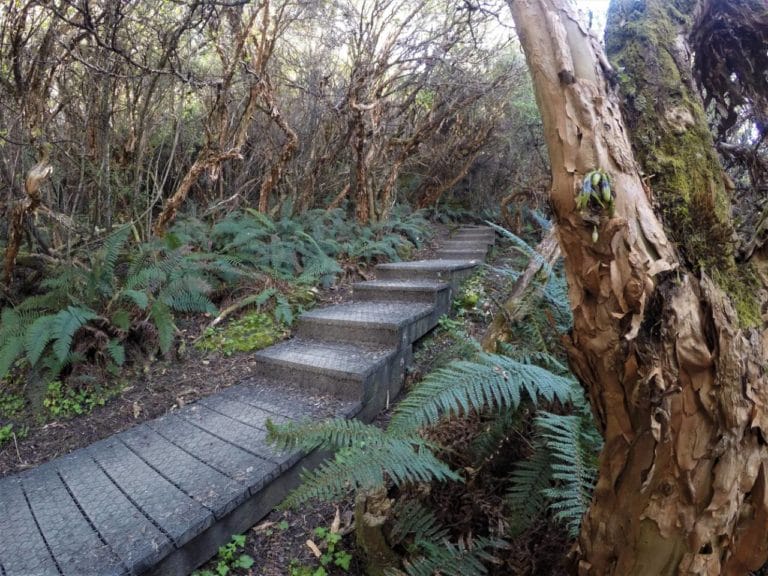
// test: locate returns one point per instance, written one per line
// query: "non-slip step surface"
(370, 314)
(430, 286)
(124, 503)
(387, 323)
(437, 265)
(330, 358)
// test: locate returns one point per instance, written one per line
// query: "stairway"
(161, 497)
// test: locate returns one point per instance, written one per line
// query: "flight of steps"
(161, 497)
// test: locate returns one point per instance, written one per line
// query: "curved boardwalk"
(161, 497)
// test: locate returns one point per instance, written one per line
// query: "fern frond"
(366, 467)
(525, 497)
(138, 297)
(161, 315)
(188, 294)
(461, 386)
(283, 310)
(465, 558)
(38, 336)
(573, 454)
(64, 326)
(414, 520)
(332, 434)
(116, 351)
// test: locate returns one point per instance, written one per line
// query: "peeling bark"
(677, 388)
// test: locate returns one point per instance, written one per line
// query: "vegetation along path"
(161, 497)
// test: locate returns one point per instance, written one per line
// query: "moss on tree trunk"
(647, 42)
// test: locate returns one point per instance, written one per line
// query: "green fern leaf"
(65, 324)
(121, 318)
(163, 318)
(116, 351)
(38, 335)
(283, 310)
(138, 297)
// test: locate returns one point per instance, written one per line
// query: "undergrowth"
(504, 441)
(122, 301)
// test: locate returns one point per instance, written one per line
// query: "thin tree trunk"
(677, 388)
(289, 148)
(548, 252)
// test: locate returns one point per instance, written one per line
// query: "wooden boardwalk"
(161, 497)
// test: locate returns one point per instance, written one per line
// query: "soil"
(156, 388)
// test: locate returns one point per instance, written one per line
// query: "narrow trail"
(161, 497)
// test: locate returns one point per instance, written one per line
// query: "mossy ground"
(252, 331)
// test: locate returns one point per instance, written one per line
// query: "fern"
(331, 434)
(161, 315)
(493, 380)
(366, 456)
(464, 558)
(559, 475)
(413, 520)
(526, 498)
(64, 326)
(11, 339)
(38, 336)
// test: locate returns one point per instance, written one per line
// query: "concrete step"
(350, 371)
(487, 238)
(426, 291)
(386, 323)
(464, 245)
(456, 254)
(451, 271)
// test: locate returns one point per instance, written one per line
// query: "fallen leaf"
(136, 410)
(313, 547)
(336, 524)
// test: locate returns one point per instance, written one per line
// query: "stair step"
(464, 245)
(427, 291)
(450, 254)
(451, 271)
(350, 371)
(479, 237)
(387, 323)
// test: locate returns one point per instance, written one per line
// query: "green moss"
(673, 142)
(252, 331)
(743, 287)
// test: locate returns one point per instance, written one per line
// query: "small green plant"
(7, 433)
(332, 556)
(10, 404)
(62, 401)
(253, 331)
(230, 557)
(472, 292)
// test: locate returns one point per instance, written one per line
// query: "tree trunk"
(677, 387)
(548, 252)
